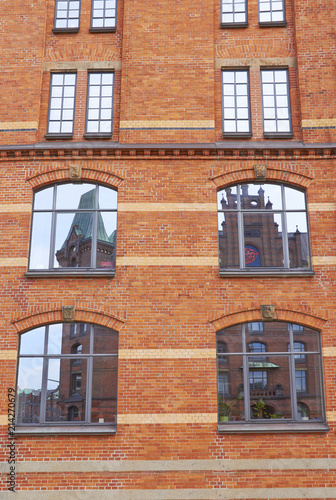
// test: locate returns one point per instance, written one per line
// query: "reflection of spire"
(297, 229)
(223, 201)
(261, 191)
(269, 205)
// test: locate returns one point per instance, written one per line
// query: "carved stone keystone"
(260, 172)
(68, 313)
(75, 172)
(267, 312)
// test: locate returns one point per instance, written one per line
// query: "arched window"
(74, 230)
(263, 228)
(56, 376)
(269, 387)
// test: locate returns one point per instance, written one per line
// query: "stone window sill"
(102, 30)
(65, 30)
(68, 273)
(270, 24)
(266, 273)
(278, 135)
(97, 136)
(58, 136)
(234, 25)
(24, 430)
(237, 135)
(260, 427)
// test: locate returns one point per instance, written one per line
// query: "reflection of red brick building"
(263, 234)
(269, 372)
(77, 247)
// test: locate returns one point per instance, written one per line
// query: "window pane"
(105, 340)
(274, 335)
(309, 388)
(232, 338)
(61, 340)
(309, 337)
(66, 387)
(261, 196)
(263, 240)
(106, 239)
(227, 198)
(270, 389)
(28, 394)
(230, 392)
(107, 198)
(72, 196)
(73, 240)
(40, 241)
(228, 240)
(298, 244)
(32, 342)
(104, 389)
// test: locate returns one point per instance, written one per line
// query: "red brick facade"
(167, 159)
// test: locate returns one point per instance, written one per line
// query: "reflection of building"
(77, 247)
(269, 372)
(263, 239)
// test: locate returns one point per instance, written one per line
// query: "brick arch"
(52, 313)
(308, 318)
(78, 52)
(258, 48)
(55, 174)
(291, 176)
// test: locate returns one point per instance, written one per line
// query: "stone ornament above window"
(263, 229)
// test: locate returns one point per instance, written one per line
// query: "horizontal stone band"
(13, 262)
(324, 260)
(229, 465)
(320, 122)
(178, 494)
(81, 65)
(256, 63)
(167, 353)
(18, 125)
(8, 354)
(15, 207)
(196, 124)
(167, 418)
(321, 207)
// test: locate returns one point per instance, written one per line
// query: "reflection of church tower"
(263, 239)
(83, 233)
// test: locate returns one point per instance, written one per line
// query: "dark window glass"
(262, 226)
(236, 102)
(253, 387)
(58, 387)
(74, 227)
(62, 103)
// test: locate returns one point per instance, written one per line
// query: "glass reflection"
(104, 390)
(32, 342)
(230, 391)
(40, 241)
(73, 240)
(66, 388)
(228, 240)
(298, 244)
(263, 240)
(28, 394)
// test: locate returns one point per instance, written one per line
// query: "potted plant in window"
(226, 407)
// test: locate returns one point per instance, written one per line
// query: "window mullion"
(284, 230)
(292, 374)
(43, 403)
(246, 378)
(240, 231)
(53, 230)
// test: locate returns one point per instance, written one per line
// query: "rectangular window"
(272, 12)
(100, 104)
(276, 103)
(103, 15)
(61, 105)
(234, 13)
(236, 103)
(300, 380)
(67, 14)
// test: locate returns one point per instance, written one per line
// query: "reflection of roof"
(261, 364)
(82, 222)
